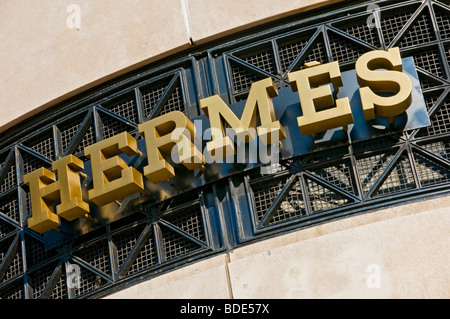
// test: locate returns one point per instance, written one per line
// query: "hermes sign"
(381, 94)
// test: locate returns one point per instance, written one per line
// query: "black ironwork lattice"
(326, 184)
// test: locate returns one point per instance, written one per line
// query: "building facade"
(348, 218)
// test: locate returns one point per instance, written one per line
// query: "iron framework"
(330, 183)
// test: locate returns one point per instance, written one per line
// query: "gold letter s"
(393, 80)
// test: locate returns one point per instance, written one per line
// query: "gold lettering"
(259, 102)
(315, 96)
(113, 179)
(160, 141)
(45, 191)
(173, 133)
(391, 80)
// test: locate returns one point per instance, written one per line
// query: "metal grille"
(371, 168)
(125, 241)
(420, 32)
(288, 51)
(151, 96)
(175, 244)
(447, 53)
(126, 108)
(96, 255)
(263, 59)
(427, 82)
(189, 220)
(393, 23)
(163, 97)
(430, 172)
(322, 198)
(31, 163)
(175, 103)
(429, 61)
(440, 121)
(88, 281)
(88, 139)
(146, 257)
(431, 98)
(292, 206)
(68, 131)
(326, 184)
(340, 175)
(443, 21)
(35, 251)
(42, 145)
(4, 246)
(440, 148)
(265, 193)
(39, 279)
(344, 50)
(400, 178)
(15, 267)
(5, 228)
(317, 53)
(59, 291)
(12, 291)
(112, 126)
(362, 31)
(242, 77)
(9, 181)
(9, 206)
